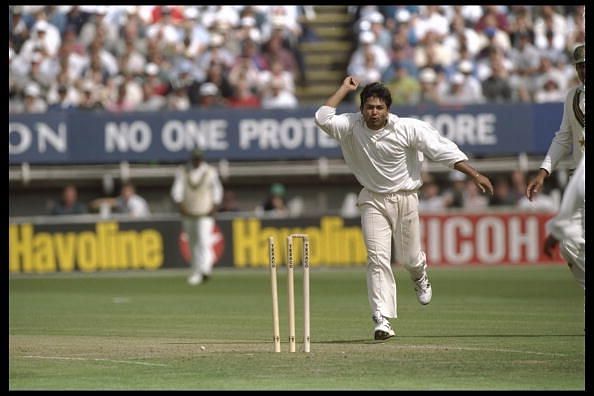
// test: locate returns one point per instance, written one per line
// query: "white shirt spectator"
(275, 97)
(367, 39)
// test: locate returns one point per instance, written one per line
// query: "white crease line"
(96, 359)
(483, 349)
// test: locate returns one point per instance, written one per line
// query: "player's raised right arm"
(348, 85)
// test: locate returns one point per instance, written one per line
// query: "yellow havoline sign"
(150, 244)
(105, 248)
(332, 244)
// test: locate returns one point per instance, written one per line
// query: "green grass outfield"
(487, 328)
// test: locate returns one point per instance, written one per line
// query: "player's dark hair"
(378, 90)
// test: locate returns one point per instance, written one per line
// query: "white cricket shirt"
(387, 160)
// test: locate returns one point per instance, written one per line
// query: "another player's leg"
(190, 227)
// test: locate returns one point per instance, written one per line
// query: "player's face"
(581, 71)
(375, 113)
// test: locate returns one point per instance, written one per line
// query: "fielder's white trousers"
(575, 252)
(387, 218)
(200, 239)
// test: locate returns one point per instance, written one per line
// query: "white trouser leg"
(199, 231)
(407, 236)
(574, 252)
(381, 286)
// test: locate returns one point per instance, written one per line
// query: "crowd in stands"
(509, 192)
(147, 58)
(457, 55)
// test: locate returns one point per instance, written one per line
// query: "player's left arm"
(481, 181)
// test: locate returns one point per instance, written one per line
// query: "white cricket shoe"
(195, 279)
(383, 329)
(423, 289)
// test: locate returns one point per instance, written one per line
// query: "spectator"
(63, 102)
(229, 202)
(549, 92)
(377, 27)
(429, 94)
(120, 103)
(69, 203)
(455, 194)
(216, 74)
(274, 49)
(367, 44)
(430, 199)
(33, 101)
(128, 202)
(88, 100)
(244, 96)
(210, 97)
(502, 193)
(275, 204)
(497, 87)
(551, 21)
(456, 94)
(278, 74)
(404, 88)
(276, 96)
(367, 72)
(473, 199)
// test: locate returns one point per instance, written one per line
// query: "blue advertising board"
(79, 137)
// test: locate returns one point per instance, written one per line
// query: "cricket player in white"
(197, 190)
(563, 227)
(568, 140)
(385, 153)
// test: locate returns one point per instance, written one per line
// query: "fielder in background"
(568, 140)
(197, 190)
(563, 227)
(385, 153)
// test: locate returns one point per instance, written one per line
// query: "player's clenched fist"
(351, 83)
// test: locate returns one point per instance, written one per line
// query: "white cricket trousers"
(575, 252)
(387, 218)
(200, 239)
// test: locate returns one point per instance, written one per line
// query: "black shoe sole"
(382, 335)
